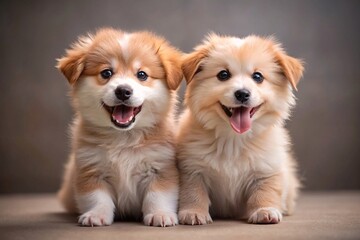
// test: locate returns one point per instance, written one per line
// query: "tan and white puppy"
(233, 151)
(123, 152)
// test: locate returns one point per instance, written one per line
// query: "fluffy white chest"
(130, 170)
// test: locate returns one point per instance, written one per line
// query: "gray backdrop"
(35, 110)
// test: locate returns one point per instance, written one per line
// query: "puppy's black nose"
(123, 92)
(242, 95)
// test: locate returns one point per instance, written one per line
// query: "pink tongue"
(123, 113)
(240, 119)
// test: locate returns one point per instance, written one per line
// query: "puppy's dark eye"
(223, 75)
(142, 76)
(258, 77)
(106, 74)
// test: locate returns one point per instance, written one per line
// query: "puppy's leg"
(194, 201)
(291, 193)
(264, 202)
(93, 199)
(161, 199)
(66, 193)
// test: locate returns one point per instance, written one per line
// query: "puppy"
(123, 152)
(233, 151)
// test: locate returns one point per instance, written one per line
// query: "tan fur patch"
(88, 179)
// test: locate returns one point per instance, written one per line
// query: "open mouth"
(240, 117)
(122, 116)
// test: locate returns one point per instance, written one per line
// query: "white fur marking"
(114, 63)
(266, 215)
(124, 44)
(137, 64)
(238, 42)
(97, 208)
(160, 208)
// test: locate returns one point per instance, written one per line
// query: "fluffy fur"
(231, 171)
(123, 152)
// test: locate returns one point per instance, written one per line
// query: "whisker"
(101, 105)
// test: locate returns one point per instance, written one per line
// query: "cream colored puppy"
(233, 150)
(123, 152)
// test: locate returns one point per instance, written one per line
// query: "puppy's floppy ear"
(171, 61)
(72, 64)
(191, 63)
(292, 68)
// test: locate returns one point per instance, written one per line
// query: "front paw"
(161, 219)
(96, 218)
(265, 215)
(194, 217)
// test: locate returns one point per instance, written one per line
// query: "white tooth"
(130, 119)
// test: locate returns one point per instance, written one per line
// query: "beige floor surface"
(319, 215)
